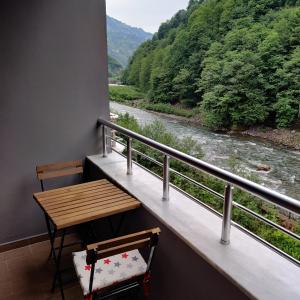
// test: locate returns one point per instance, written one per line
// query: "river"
(248, 152)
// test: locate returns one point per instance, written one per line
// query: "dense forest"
(114, 67)
(238, 61)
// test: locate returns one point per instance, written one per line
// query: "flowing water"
(219, 149)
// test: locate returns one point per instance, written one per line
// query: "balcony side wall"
(53, 86)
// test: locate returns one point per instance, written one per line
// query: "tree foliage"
(114, 67)
(238, 60)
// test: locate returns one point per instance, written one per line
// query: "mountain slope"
(238, 60)
(114, 67)
(123, 40)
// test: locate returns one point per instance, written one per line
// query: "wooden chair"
(115, 266)
(56, 170)
(52, 171)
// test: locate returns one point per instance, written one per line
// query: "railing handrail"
(236, 180)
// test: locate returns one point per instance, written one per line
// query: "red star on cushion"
(124, 255)
(107, 261)
(87, 267)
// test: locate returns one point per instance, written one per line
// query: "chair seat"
(110, 270)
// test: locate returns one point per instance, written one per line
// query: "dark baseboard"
(30, 240)
(23, 242)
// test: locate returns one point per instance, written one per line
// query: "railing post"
(129, 156)
(227, 208)
(104, 141)
(166, 177)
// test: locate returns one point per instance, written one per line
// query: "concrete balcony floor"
(26, 273)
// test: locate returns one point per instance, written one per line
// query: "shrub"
(124, 93)
(287, 111)
(167, 109)
(188, 103)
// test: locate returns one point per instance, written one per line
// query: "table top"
(80, 203)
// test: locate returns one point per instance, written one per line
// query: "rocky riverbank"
(284, 137)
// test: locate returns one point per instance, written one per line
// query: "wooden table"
(78, 204)
(84, 202)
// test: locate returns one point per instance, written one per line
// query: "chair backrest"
(138, 240)
(60, 169)
(143, 239)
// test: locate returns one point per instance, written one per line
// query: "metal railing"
(230, 179)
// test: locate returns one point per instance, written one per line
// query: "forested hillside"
(238, 60)
(123, 40)
(114, 67)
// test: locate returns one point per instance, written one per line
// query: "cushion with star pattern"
(110, 270)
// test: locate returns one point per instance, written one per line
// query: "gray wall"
(53, 86)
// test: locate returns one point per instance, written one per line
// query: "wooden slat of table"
(72, 188)
(70, 193)
(96, 215)
(73, 196)
(84, 202)
(87, 210)
(81, 199)
(94, 203)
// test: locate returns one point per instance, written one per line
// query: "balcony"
(199, 249)
(53, 58)
(241, 257)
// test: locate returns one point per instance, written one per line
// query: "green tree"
(182, 82)
(145, 72)
(287, 106)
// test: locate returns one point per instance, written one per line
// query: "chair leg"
(146, 284)
(57, 275)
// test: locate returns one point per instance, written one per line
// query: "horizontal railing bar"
(116, 140)
(236, 180)
(265, 220)
(113, 149)
(197, 200)
(148, 157)
(177, 188)
(220, 196)
(247, 210)
(200, 185)
(279, 251)
(204, 187)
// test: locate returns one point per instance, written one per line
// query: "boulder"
(263, 167)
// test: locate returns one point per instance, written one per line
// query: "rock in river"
(263, 167)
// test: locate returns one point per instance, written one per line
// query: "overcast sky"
(146, 14)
